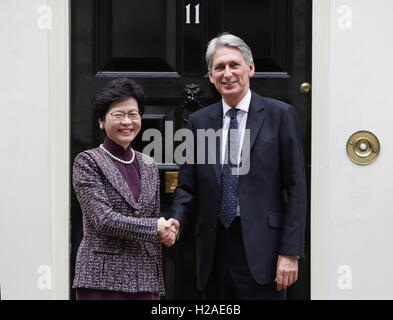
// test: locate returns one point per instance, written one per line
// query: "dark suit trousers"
(231, 277)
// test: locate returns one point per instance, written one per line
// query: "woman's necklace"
(118, 159)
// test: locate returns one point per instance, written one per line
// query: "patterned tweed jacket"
(120, 250)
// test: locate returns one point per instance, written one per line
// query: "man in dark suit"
(249, 225)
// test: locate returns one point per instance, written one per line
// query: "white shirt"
(241, 117)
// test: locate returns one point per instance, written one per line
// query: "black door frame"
(84, 131)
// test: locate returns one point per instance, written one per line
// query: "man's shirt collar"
(243, 105)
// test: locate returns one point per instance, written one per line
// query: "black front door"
(161, 44)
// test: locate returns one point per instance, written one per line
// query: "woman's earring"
(101, 126)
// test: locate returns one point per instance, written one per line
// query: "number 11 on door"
(188, 14)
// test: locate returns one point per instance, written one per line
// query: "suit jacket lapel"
(144, 196)
(115, 178)
(255, 119)
(216, 124)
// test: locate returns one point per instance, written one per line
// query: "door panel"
(265, 26)
(136, 36)
(162, 44)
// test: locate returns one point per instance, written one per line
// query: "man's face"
(230, 74)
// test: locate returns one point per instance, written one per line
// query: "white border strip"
(319, 149)
(59, 82)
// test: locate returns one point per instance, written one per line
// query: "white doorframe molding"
(59, 89)
(319, 148)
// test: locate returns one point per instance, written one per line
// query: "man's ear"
(211, 77)
(252, 69)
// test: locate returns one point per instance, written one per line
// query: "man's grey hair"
(229, 40)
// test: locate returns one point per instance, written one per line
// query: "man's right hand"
(167, 231)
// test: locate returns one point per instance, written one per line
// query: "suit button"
(137, 213)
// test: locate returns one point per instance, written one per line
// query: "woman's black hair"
(117, 90)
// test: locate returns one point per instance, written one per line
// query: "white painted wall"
(34, 162)
(352, 215)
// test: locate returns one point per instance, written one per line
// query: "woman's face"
(122, 131)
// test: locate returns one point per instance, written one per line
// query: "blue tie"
(229, 178)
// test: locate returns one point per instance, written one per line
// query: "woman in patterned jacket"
(118, 190)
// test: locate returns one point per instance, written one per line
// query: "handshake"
(167, 231)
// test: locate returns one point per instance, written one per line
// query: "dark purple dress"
(130, 173)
